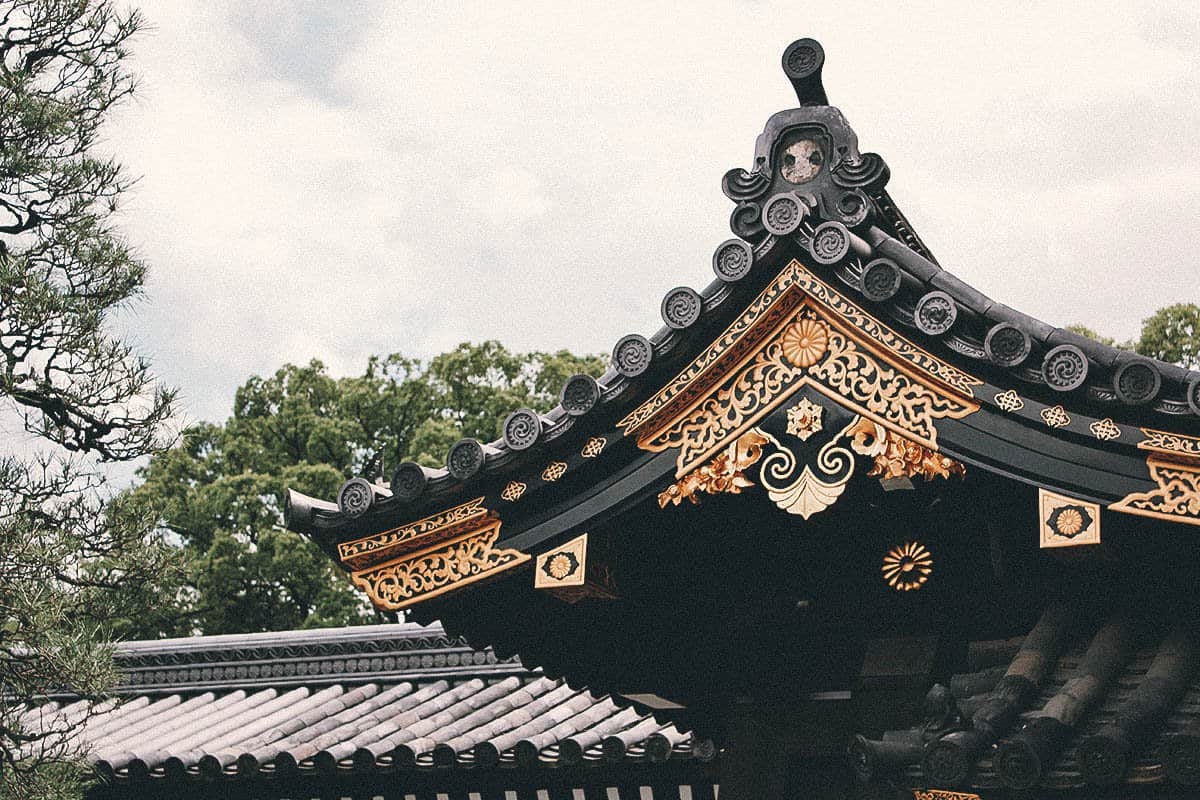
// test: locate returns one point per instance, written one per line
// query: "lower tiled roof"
(426, 715)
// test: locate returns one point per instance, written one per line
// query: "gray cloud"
(328, 180)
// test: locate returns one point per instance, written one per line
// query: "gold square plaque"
(1067, 522)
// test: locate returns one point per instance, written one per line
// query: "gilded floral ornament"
(897, 457)
(1105, 430)
(725, 474)
(1056, 417)
(804, 419)
(806, 342)
(513, 491)
(907, 568)
(1009, 401)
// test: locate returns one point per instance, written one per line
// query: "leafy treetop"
(220, 493)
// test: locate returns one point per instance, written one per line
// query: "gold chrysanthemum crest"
(805, 342)
(907, 568)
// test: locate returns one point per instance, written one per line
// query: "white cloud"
(408, 176)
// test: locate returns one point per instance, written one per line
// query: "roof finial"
(802, 62)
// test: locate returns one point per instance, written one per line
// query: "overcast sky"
(335, 179)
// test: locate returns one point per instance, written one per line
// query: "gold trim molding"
(1171, 444)
(942, 794)
(428, 573)
(798, 332)
(370, 550)
(1177, 498)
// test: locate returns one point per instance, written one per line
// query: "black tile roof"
(845, 225)
(349, 701)
(1119, 703)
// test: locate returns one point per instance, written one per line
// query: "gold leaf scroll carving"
(1172, 444)
(942, 794)
(843, 370)
(801, 489)
(773, 308)
(812, 491)
(428, 573)
(725, 474)
(1177, 497)
(378, 547)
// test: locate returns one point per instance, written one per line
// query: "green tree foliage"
(1173, 334)
(220, 492)
(1084, 330)
(81, 394)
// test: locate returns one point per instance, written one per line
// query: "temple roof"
(397, 700)
(836, 439)
(872, 250)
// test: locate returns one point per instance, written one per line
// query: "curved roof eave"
(848, 230)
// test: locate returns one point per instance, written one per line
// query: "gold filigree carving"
(513, 491)
(801, 489)
(1172, 444)
(1177, 497)
(942, 794)
(847, 373)
(907, 568)
(804, 419)
(1105, 429)
(372, 549)
(725, 474)
(1055, 416)
(898, 457)
(594, 447)
(761, 321)
(553, 471)
(428, 573)
(1009, 401)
